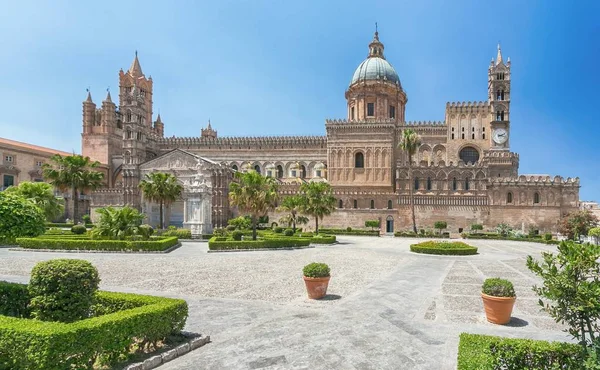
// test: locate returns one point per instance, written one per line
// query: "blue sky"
(273, 67)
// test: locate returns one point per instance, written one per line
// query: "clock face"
(500, 136)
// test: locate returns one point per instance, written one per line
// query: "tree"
(372, 224)
(595, 233)
(74, 172)
(503, 229)
(292, 206)
(571, 285)
(19, 217)
(117, 223)
(440, 225)
(254, 195)
(42, 195)
(161, 188)
(240, 222)
(577, 223)
(409, 143)
(317, 201)
(476, 227)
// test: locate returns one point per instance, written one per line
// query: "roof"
(29, 147)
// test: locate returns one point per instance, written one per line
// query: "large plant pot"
(316, 287)
(498, 309)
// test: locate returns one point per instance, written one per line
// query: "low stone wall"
(157, 360)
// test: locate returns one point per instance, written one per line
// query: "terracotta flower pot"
(316, 287)
(498, 309)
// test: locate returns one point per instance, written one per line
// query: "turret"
(89, 113)
(109, 115)
(499, 78)
(159, 126)
(208, 132)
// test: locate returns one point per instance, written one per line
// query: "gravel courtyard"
(386, 308)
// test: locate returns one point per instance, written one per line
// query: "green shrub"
(372, 224)
(316, 270)
(547, 236)
(288, 232)
(483, 352)
(230, 228)
(275, 242)
(476, 227)
(181, 233)
(14, 300)
(497, 287)
(59, 224)
(440, 225)
(496, 236)
(323, 239)
(62, 289)
(145, 231)
(129, 321)
(19, 217)
(305, 235)
(240, 223)
(86, 219)
(443, 248)
(237, 235)
(278, 230)
(412, 234)
(78, 229)
(351, 232)
(219, 231)
(348, 229)
(107, 245)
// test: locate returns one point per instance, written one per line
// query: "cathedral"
(463, 173)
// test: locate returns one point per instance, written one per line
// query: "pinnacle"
(135, 69)
(89, 97)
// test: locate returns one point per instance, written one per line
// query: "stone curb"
(157, 360)
(259, 249)
(19, 249)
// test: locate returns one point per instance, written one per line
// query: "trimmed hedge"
(281, 242)
(482, 352)
(444, 248)
(349, 232)
(33, 344)
(14, 300)
(493, 236)
(105, 245)
(323, 239)
(179, 233)
(412, 234)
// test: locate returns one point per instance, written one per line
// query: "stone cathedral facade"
(464, 171)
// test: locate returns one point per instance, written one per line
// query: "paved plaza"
(387, 308)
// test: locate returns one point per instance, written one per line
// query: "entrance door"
(389, 224)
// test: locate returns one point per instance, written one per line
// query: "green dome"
(375, 69)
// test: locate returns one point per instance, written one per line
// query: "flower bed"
(493, 236)
(105, 245)
(476, 352)
(445, 248)
(349, 232)
(122, 321)
(217, 243)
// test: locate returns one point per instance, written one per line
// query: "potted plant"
(316, 278)
(498, 300)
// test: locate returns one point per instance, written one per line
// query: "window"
(9, 180)
(39, 163)
(429, 183)
(340, 204)
(500, 116)
(370, 109)
(279, 172)
(390, 206)
(473, 133)
(352, 113)
(536, 198)
(8, 158)
(293, 173)
(467, 183)
(372, 204)
(463, 135)
(483, 134)
(469, 155)
(416, 183)
(234, 167)
(454, 184)
(257, 168)
(508, 196)
(128, 116)
(392, 111)
(302, 171)
(355, 203)
(499, 76)
(359, 160)
(318, 173)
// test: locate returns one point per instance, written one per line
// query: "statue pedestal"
(198, 215)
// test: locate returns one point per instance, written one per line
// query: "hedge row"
(351, 232)
(14, 300)
(106, 245)
(445, 248)
(217, 243)
(480, 352)
(35, 344)
(61, 225)
(490, 236)
(323, 239)
(314, 239)
(412, 234)
(179, 233)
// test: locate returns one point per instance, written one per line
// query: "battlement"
(467, 104)
(500, 154)
(244, 141)
(537, 180)
(424, 123)
(359, 122)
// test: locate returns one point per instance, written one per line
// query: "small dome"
(319, 166)
(270, 166)
(375, 69)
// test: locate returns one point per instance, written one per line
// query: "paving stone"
(152, 362)
(169, 355)
(183, 349)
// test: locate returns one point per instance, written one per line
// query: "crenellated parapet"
(289, 141)
(342, 121)
(467, 105)
(536, 180)
(424, 123)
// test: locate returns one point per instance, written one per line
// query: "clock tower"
(499, 100)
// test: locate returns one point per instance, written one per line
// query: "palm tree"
(254, 195)
(409, 143)
(161, 188)
(117, 223)
(42, 195)
(317, 200)
(292, 206)
(74, 172)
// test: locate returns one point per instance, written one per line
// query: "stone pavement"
(408, 318)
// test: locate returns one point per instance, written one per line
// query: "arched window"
(500, 116)
(234, 167)
(355, 203)
(416, 183)
(390, 206)
(536, 198)
(429, 183)
(302, 171)
(454, 185)
(508, 196)
(340, 204)
(469, 154)
(279, 172)
(257, 168)
(467, 183)
(372, 204)
(128, 116)
(359, 160)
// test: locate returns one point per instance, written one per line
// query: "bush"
(422, 231)
(240, 223)
(106, 245)
(145, 231)
(288, 232)
(128, 321)
(323, 239)
(279, 242)
(316, 270)
(117, 223)
(62, 289)
(440, 225)
(348, 229)
(476, 352)
(497, 287)
(59, 224)
(351, 232)
(78, 229)
(237, 235)
(218, 231)
(278, 230)
(372, 224)
(547, 236)
(444, 248)
(476, 227)
(230, 228)
(14, 300)
(495, 236)
(179, 233)
(86, 219)
(19, 217)
(412, 234)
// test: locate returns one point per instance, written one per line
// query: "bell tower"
(499, 99)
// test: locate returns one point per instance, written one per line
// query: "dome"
(374, 69)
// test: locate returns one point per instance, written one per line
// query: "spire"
(499, 56)
(209, 126)
(376, 46)
(89, 96)
(135, 69)
(158, 120)
(108, 99)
